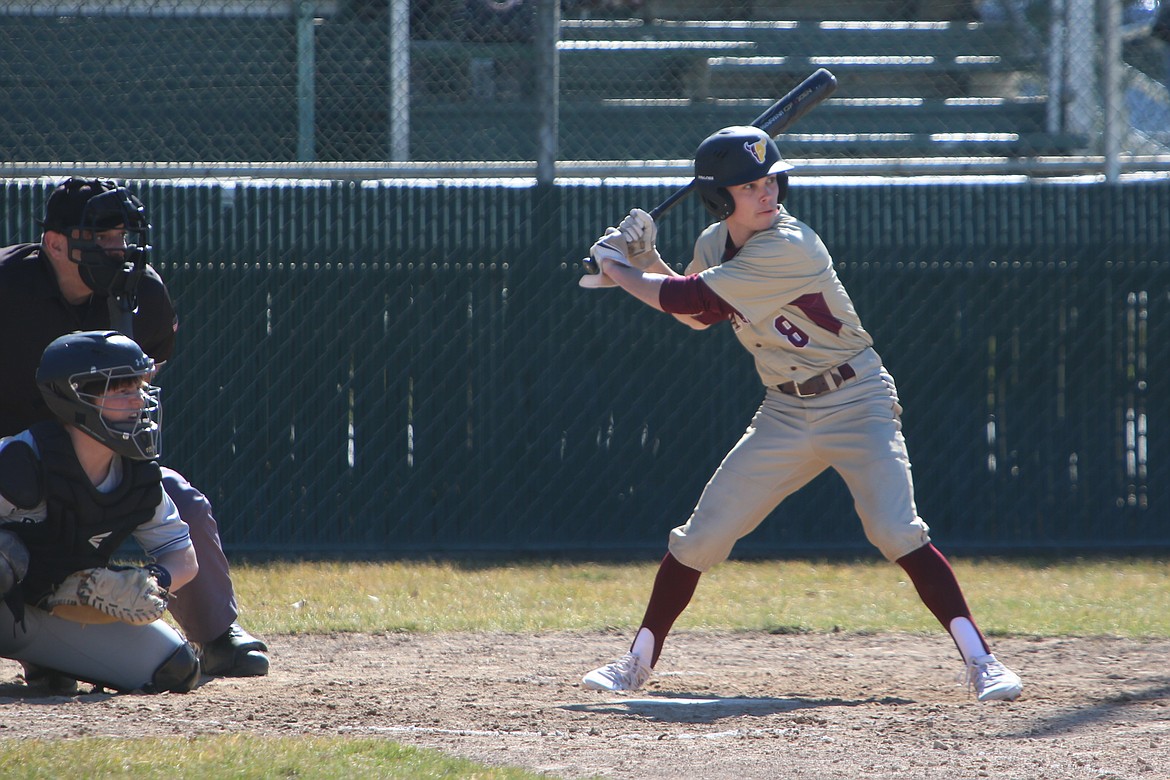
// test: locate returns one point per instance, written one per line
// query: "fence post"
(306, 83)
(1111, 87)
(398, 110)
(1081, 82)
(1057, 49)
(548, 87)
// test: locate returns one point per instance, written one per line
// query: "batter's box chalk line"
(454, 732)
(495, 734)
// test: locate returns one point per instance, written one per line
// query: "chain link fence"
(383, 348)
(338, 81)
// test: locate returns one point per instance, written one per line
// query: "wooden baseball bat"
(779, 117)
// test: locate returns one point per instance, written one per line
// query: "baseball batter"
(828, 401)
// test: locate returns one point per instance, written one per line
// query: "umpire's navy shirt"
(33, 313)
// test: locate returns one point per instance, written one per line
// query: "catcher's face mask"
(127, 411)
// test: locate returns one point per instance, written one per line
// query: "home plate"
(704, 708)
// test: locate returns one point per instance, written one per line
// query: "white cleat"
(992, 680)
(628, 673)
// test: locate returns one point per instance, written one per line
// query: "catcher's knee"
(179, 673)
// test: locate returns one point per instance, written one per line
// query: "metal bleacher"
(925, 86)
(652, 87)
(907, 87)
(917, 80)
(921, 88)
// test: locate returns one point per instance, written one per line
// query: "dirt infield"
(722, 705)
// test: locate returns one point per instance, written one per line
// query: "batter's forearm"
(640, 284)
(660, 267)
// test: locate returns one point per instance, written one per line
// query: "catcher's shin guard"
(179, 673)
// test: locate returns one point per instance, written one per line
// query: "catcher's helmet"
(77, 368)
(735, 155)
(81, 208)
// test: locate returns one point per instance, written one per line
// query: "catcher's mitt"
(131, 595)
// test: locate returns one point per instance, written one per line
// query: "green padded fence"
(400, 367)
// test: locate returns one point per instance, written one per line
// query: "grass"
(237, 757)
(1129, 598)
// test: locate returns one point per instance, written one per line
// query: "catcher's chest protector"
(82, 527)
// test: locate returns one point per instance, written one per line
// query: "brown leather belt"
(822, 383)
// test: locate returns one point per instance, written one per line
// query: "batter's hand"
(639, 231)
(596, 281)
(611, 246)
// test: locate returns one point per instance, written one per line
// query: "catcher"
(72, 490)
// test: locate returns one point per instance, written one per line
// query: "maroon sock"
(673, 587)
(935, 581)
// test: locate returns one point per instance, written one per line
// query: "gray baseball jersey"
(829, 402)
(793, 314)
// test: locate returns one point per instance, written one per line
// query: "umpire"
(90, 272)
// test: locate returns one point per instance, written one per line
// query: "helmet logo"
(757, 149)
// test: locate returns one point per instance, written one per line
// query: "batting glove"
(639, 231)
(596, 281)
(611, 246)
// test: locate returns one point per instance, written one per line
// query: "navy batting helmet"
(77, 368)
(735, 155)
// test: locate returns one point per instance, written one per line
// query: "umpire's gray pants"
(206, 606)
